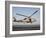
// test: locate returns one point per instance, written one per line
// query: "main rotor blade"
(21, 15)
(34, 13)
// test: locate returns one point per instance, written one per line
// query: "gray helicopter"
(27, 19)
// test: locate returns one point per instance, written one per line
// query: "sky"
(28, 11)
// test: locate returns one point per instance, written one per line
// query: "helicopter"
(28, 19)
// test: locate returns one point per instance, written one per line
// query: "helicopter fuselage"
(25, 20)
